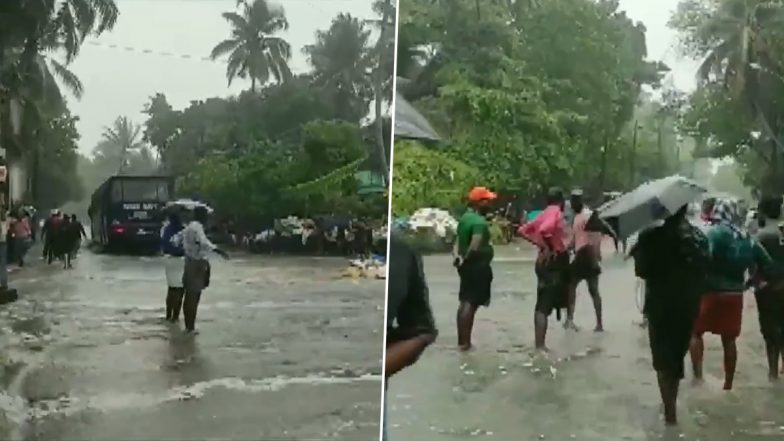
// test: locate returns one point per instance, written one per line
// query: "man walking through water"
(672, 258)
(196, 274)
(586, 265)
(770, 294)
(548, 231)
(473, 255)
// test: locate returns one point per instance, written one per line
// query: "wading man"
(770, 294)
(196, 274)
(548, 232)
(672, 259)
(473, 255)
(586, 264)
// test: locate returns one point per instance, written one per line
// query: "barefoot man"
(548, 231)
(473, 254)
(586, 264)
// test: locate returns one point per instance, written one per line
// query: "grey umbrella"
(648, 203)
(410, 124)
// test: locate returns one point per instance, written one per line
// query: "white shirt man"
(195, 242)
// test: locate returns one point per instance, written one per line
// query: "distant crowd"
(62, 236)
(351, 237)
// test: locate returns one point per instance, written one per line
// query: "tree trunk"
(253, 84)
(378, 92)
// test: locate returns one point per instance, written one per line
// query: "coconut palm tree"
(32, 32)
(342, 62)
(119, 142)
(738, 54)
(254, 51)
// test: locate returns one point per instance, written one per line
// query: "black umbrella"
(410, 124)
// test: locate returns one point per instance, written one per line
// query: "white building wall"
(17, 176)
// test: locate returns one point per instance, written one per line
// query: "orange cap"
(479, 194)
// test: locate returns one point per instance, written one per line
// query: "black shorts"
(476, 279)
(670, 325)
(770, 308)
(552, 284)
(585, 265)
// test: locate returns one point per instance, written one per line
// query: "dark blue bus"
(125, 211)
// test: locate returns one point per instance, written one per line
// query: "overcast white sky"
(662, 41)
(120, 82)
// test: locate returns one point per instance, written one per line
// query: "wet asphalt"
(286, 351)
(591, 387)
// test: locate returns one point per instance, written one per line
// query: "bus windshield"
(140, 190)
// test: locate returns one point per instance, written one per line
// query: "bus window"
(140, 190)
(117, 191)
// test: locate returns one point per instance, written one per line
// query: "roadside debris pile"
(371, 268)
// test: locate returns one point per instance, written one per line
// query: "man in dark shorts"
(672, 258)
(547, 231)
(586, 264)
(410, 324)
(473, 254)
(770, 295)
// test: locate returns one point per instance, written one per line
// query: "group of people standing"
(62, 236)
(558, 275)
(186, 249)
(695, 273)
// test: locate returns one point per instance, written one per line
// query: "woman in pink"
(547, 232)
(21, 233)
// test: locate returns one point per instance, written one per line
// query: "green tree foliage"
(254, 51)
(273, 179)
(531, 94)
(428, 178)
(55, 173)
(38, 39)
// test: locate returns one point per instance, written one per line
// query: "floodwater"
(591, 387)
(285, 351)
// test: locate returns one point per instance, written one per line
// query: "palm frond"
(281, 47)
(223, 48)
(236, 20)
(69, 32)
(68, 78)
(236, 66)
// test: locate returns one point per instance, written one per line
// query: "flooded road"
(285, 351)
(592, 387)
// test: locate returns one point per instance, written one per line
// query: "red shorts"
(720, 314)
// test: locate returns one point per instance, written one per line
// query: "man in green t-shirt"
(473, 253)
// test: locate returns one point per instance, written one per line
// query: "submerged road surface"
(592, 387)
(285, 351)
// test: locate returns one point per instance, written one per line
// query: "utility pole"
(603, 174)
(660, 146)
(632, 163)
